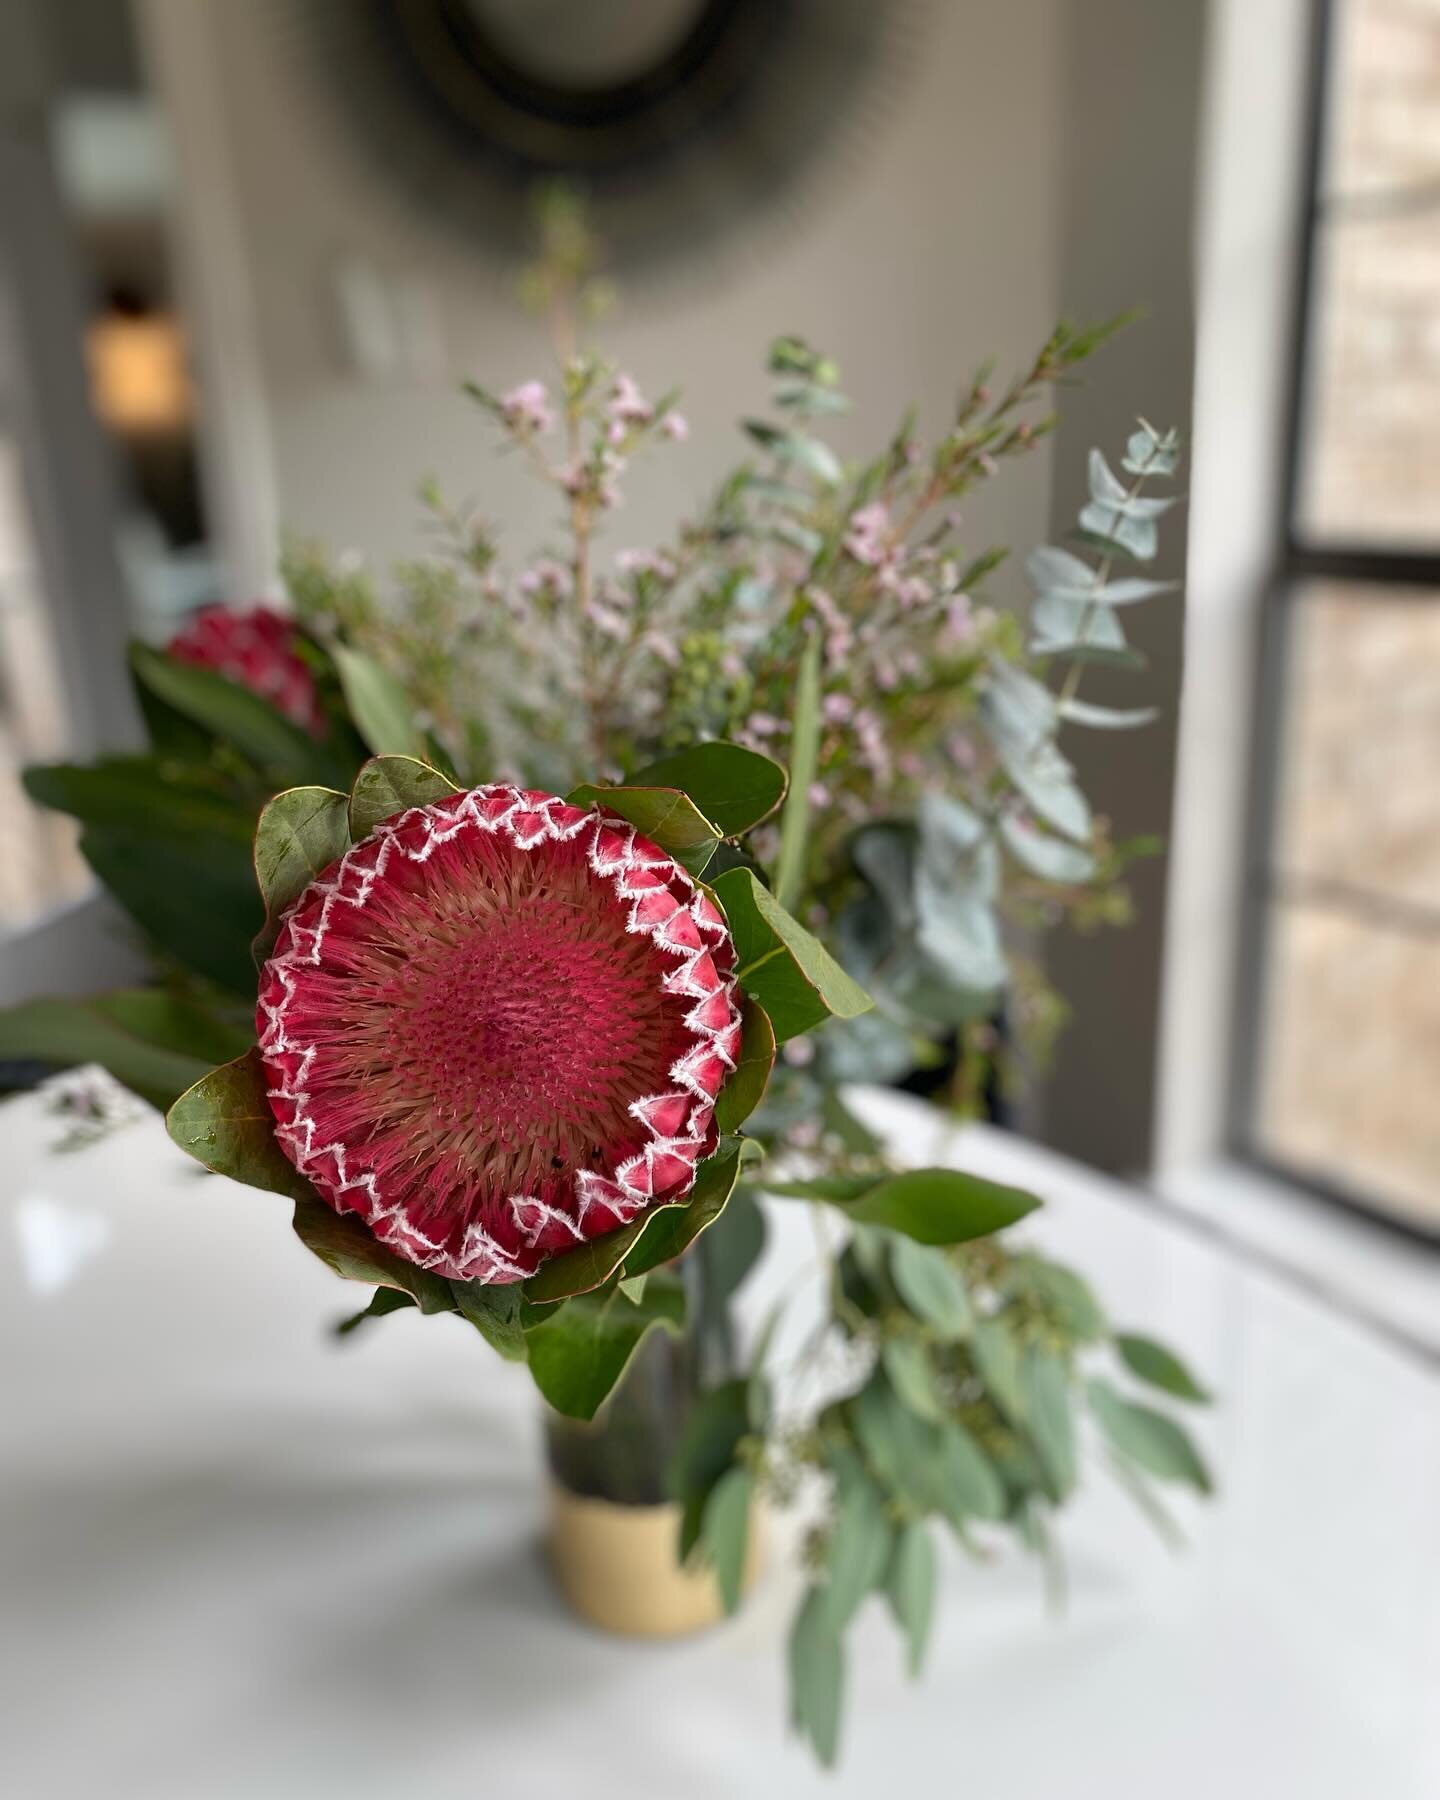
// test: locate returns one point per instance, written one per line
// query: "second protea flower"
(259, 649)
(496, 1029)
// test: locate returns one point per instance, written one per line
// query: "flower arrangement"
(553, 948)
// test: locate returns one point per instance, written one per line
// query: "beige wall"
(932, 240)
(1130, 127)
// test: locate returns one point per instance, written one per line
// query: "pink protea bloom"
(496, 1029)
(257, 649)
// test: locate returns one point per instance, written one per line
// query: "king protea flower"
(258, 650)
(496, 1029)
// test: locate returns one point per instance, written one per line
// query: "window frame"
(1300, 561)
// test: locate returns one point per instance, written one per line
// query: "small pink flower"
(610, 467)
(546, 576)
(527, 408)
(627, 404)
(959, 620)
(838, 709)
(676, 427)
(819, 795)
(870, 741)
(259, 649)
(663, 647)
(839, 635)
(764, 725)
(646, 562)
(867, 538)
(605, 619)
(910, 591)
(961, 750)
(496, 1029)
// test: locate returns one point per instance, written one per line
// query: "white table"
(238, 1560)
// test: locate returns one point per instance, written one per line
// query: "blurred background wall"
(897, 251)
(244, 280)
(1002, 165)
(977, 171)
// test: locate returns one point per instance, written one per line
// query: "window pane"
(1350, 1048)
(1350, 1034)
(1370, 444)
(1383, 132)
(1360, 763)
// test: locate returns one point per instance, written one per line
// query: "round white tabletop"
(242, 1561)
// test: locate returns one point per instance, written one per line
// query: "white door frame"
(69, 495)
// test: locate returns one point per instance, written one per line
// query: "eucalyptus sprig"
(981, 1381)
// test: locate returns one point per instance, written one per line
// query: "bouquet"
(524, 923)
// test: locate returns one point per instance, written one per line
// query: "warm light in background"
(138, 377)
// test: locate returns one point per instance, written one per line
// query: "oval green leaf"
(745, 1089)
(668, 1231)
(193, 896)
(969, 1485)
(817, 1677)
(911, 1589)
(733, 787)
(1160, 1368)
(494, 1311)
(232, 713)
(725, 1532)
(931, 1288)
(225, 1122)
(719, 1419)
(587, 1266)
(387, 785)
(300, 833)
(1151, 1439)
(345, 1246)
(905, 1361)
(791, 974)
(858, 1550)
(941, 1206)
(1045, 1385)
(140, 793)
(666, 816)
(839, 1190)
(155, 1044)
(378, 704)
(581, 1350)
(655, 1237)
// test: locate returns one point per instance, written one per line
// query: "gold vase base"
(617, 1568)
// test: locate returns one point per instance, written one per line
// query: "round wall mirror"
(678, 118)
